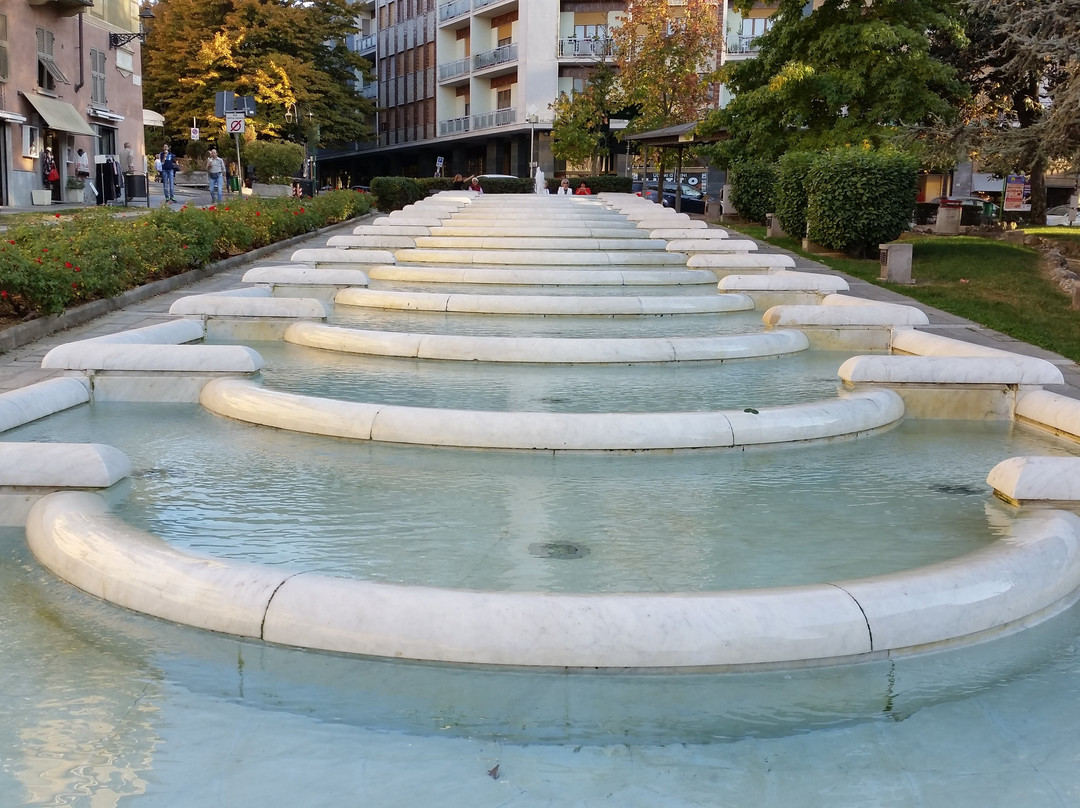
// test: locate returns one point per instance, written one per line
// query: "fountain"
(623, 650)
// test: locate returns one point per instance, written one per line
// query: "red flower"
(257, 213)
(301, 210)
(211, 208)
(67, 265)
(3, 294)
(57, 215)
(11, 241)
(44, 249)
(78, 269)
(74, 286)
(185, 247)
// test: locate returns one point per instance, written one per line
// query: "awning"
(151, 118)
(104, 114)
(59, 115)
(12, 117)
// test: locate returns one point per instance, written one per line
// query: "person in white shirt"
(564, 188)
(215, 169)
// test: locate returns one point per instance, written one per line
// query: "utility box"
(895, 263)
(949, 213)
(774, 230)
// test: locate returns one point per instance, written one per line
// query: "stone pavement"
(20, 365)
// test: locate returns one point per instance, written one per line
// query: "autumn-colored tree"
(288, 54)
(666, 55)
(579, 134)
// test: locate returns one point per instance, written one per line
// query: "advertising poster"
(1017, 193)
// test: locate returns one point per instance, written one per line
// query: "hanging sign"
(194, 133)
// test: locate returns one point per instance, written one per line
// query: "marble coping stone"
(658, 213)
(390, 230)
(263, 307)
(689, 232)
(712, 245)
(658, 222)
(541, 304)
(545, 350)
(332, 255)
(534, 219)
(721, 261)
(156, 358)
(1032, 479)
(996, 370)
(542, 276)
(1051, 411)
(26, 404)
(1027, 576)
(850, 414)
(379, 241)
(783, 281)
(526, 242)
(925, 343)
(305, 275)
(564, 258)
(411, 221)
(62, 465)
(532, 230)
(433, 211)
(173, 332)
(883, 315)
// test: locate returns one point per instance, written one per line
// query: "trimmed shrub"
(858, 198)
(507, 185)
(789, 202)
(601, 183)
(752, 185)
(394, 193)
(274, 159)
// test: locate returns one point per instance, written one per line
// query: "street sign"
(234, 123)
(618, 123)
(194, 133)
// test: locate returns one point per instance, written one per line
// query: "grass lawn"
(1000, 286)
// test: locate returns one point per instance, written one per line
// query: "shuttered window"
(97, 77)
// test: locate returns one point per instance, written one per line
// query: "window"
(3, 48)
(106, 140)
(590, 32)
(753, 27)
(49, 74)
(31, 142)
(502, 99)
(97, 77)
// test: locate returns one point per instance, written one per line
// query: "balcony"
(452, 70)
(366, 44)
(498, 117)
(741, 44)
(455, 8)
(454, 126)
(65, 8)
(590, 48)
(501, 55)
(370, 91)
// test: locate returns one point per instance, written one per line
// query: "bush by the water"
(48, 267)
(752, 185)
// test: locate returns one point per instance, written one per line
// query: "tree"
(666, 57)
(845, 73)
(288, 54)
(579, 134)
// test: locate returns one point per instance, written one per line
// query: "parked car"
(693, 200)
(975, 210)
(1059, 216)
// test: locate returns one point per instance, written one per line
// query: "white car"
(1059, 217)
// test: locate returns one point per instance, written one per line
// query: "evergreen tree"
(845, 73)
(289, 54)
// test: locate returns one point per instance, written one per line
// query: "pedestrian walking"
(169, 166)
(215, 170)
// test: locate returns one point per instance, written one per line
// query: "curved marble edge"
(409, 221)
(542, 276)
(525, 241)
(868, 314)
(166, 358)
(924, 343)
(26, 404)
(712, 245)
(708, 233)
(1051, 411)
(570, 230)
(333, 255)
(174, 332)
(380, 241)
(544, 350)
(849, 414)
(1029, 479)
(230, 306)
(739, 260)
(564, 258)
(390, 230)
(541, 304)
(782, 281)
(1027, 575)
(305, 275)
(1014, 369)
(62, 465)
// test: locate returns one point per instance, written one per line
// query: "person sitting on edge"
(583, 190)
(474, 185)
(564, 188)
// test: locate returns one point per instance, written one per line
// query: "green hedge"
(274, 159)
(789, 202)
(394, 193)
(46, 268)
(601, 183)
(859, 198)
(752, 188)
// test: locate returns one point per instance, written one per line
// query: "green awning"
(59, 115)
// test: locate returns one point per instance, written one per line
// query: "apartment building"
(465, 86)
(70, 79)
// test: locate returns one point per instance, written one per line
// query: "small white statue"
(541, 186)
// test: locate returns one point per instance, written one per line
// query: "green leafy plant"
(790, 191)
(752, 188)
(274, 158)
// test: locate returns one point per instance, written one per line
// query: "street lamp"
(116, 40)
(532, 118)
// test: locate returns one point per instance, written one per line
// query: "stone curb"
(25, 333)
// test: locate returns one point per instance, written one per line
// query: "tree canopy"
(847, 73)
(288, 54)
(666, 57)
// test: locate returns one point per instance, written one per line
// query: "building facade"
(70, 79)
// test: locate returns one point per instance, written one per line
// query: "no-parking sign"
(234, 123)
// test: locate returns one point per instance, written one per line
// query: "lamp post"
(116, 40)
(532, 118)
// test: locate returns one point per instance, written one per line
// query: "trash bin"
(895, 262)
(134, 186)
(948, 217)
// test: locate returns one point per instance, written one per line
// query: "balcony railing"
(507, 53)
(454, 126)
(498, 117)
(455, 8)
(573, 46)
(742, 44)
(366, 43)
(451, 70)
(370, 91)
